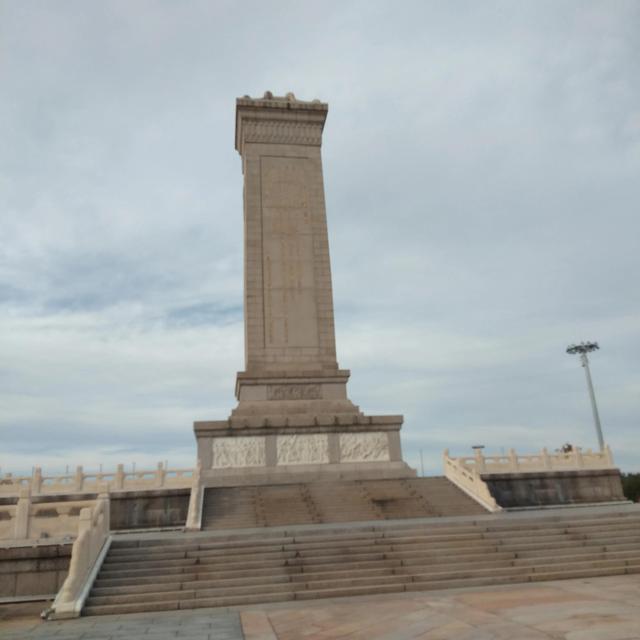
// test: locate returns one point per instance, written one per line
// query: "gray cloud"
(481, 166)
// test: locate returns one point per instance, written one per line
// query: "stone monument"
(294, 419)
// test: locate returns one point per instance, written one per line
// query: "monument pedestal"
(299, 448)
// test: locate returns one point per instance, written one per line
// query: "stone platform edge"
(296, 424)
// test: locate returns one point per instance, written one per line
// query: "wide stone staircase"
(339, 501)
(157, 572)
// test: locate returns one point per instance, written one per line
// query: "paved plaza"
(589, 609)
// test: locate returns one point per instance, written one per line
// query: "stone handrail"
(573, 460)
(19, 519)
(196, 499)
(79, 482)
(467, 472)
(470, 481)
(86, 556)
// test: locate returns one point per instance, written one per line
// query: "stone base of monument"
(281, 449)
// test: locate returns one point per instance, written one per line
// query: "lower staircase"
(158, 572)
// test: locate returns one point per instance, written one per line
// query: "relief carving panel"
(238, 452)
(303, 449)
(364, 447)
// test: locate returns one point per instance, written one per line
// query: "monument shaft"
(289, 323)
(290, 347)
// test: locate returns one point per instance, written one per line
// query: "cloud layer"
(481, 168)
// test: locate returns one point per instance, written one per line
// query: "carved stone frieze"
(364, 447)
(303, 449)
(238, 452)
(282, 132)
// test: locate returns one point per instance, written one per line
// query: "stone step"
(126, 553)
(172, 605)
(289, 550)
(248, 588)
(292, 555)
(355, 586)
(172, 571)
(415, 560)
(284, 570)
(225, 581)
(152, 546)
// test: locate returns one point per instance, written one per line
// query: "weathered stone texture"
(535, 489)
(34, 570)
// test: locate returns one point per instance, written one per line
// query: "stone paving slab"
(205, 624)
(587, 609)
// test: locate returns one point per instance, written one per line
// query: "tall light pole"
(583, 348)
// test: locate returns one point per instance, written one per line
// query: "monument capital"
(279, 120)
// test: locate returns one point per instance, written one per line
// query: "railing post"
(579, 458)
(79, 478)
(480, 466)
(546, 459)
(160, 475)
(513, 460)
(36, 481)
(608, 456)
(104, 503)
(194, 514)
(23, 509)
(119, 479)
(84, 527)
(84, 520)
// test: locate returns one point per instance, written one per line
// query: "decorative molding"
(281, 132)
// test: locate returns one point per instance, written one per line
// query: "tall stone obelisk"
(293, 417)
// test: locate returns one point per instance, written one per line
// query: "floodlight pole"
(592, 396)
(583, 349)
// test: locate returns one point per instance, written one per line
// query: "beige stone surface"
(590, 609)
(238, 452)
(289, 322)
(364, 447)
(303, 449)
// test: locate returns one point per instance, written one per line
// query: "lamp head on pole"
(583, 347)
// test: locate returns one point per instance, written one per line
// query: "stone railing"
(470, 481)
(467, 472)
(196, 499)
(81, 482)
(27, 520)
(544, 461)
(87, 554)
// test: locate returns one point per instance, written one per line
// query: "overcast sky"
(482, 175)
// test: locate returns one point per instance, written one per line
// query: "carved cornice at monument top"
(280, 132)
(289, 101)
(279, 120)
